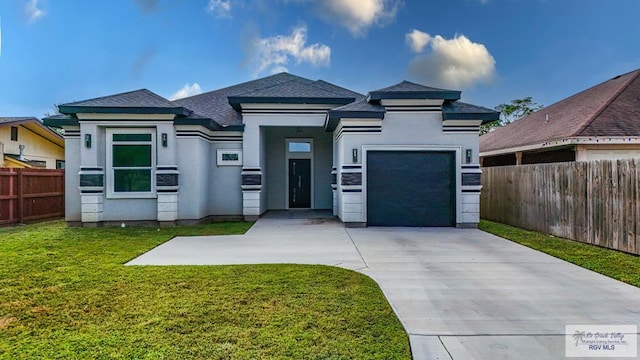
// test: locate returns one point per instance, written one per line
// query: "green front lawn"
(65, 294)
(615, 264)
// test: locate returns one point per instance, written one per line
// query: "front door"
(299, 183)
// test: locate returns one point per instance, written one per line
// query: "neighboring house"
(26, 143)
(602, 122)
(405, 155)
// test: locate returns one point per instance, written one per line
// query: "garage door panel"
(410, 188)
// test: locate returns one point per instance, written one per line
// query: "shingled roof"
(136, 101)
(611, 108)
(410, 90)
(220, 109)
(9, 120)
(216, 104)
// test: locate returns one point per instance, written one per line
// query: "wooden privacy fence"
(30, 194)
(593, 202)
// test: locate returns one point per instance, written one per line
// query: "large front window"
(131, 159)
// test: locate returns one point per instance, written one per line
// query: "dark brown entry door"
(299, 183)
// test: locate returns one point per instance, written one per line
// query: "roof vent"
(21, 147)
(546, 118)
(617, 77)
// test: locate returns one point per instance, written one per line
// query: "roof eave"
(237, 101)
(486, 117)
(334, 116)
(71, 109)
(413, 95)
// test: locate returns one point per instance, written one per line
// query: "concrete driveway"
(460, 293)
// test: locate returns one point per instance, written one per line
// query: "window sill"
(120, 196)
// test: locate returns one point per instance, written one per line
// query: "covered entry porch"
(292, 171)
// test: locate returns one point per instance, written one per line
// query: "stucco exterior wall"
(194, 157)
(223, 182)
(71, 178)
(403, 131)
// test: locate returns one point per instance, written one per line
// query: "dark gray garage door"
(411, 188)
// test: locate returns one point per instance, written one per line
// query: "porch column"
(91, 176)
(167, 175)
(334, 189)
(252, 182)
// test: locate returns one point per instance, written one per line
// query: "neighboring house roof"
(8, 120)
(611, 108)
(25, 163)
(140, 101)
(34, 125)
(409, 90)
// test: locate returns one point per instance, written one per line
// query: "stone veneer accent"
(471, 179)
(251, 179)
(166, 179)
(351, 179)
(91, 180)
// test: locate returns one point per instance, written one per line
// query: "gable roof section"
(611, 108)
(295, 91)
(215, 104)
(140, 101)
(409, 90)
(361, 109)
(279, 88)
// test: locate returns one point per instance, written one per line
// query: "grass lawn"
(65, 294)
(615, 264)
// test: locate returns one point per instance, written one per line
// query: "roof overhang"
(334, 116)
(485, 117)
(237, 101)
(70, 109)
(564, 142)
(69, 120)
(411, 95)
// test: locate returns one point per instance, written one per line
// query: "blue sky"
(55, 51)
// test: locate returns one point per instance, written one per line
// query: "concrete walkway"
(460, 293)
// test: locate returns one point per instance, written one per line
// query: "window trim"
(221, 162)
(110, 173)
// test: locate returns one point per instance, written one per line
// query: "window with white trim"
(131, 160)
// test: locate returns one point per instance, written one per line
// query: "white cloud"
(186, 91)
(32, 11)
(219, 8)
(454, 63)
(359, 15)
(274, 53)
(417, 40)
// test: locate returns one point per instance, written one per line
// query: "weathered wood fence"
(30, 194)
(593, 202)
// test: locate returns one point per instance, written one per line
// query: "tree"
(511, 112)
